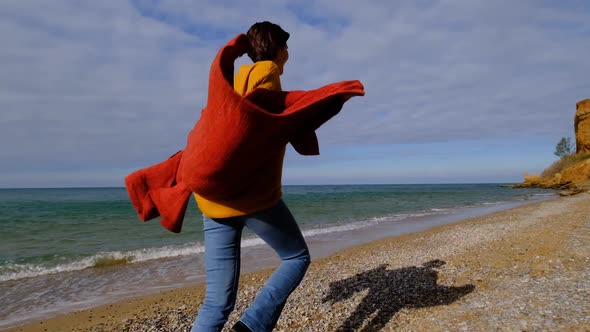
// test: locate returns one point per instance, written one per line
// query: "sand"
(524, 269)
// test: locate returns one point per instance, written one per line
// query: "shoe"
(240, 327)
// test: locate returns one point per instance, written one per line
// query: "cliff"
(571, 173)
(582, 126)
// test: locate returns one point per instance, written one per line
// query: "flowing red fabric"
(234, 151)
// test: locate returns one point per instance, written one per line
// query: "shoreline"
(116, 283)
(182, 303)
(186, 270)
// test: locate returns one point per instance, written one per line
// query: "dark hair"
(266, 39)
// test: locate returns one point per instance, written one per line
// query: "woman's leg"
(222, 265)
(277, 227)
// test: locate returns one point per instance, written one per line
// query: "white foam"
(544, 194)
(19, 271)
(335, 229)
(489, 203)
(250, 242)
(373, 221)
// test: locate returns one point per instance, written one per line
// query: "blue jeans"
(277, 227)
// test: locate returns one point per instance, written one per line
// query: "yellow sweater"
(262, 74)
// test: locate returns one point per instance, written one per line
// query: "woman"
(267, 216)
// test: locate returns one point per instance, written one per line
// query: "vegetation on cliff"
(562, 164)
(571, 172)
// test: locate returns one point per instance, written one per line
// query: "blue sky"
(456, 91)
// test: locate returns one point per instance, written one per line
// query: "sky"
(460, 91)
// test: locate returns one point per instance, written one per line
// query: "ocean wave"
(490, 203)
(431, 212)
(544, 194)
(440, 209)
(337, 228)
(374, 221)
(15, 271)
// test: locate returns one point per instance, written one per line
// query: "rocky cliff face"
(575, 177)
(582, 126)
(571, 181)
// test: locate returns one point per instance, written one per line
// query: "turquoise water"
(91, 238)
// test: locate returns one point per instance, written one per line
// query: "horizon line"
(284, 185)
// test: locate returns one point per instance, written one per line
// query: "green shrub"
(564, 147)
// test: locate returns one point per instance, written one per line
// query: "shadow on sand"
(391, 291)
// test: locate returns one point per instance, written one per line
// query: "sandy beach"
(524, 269)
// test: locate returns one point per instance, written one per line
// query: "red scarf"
(231, 151)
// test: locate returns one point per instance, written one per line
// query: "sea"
(67, 249)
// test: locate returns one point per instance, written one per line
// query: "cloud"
(95, 84)
(117, 85)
